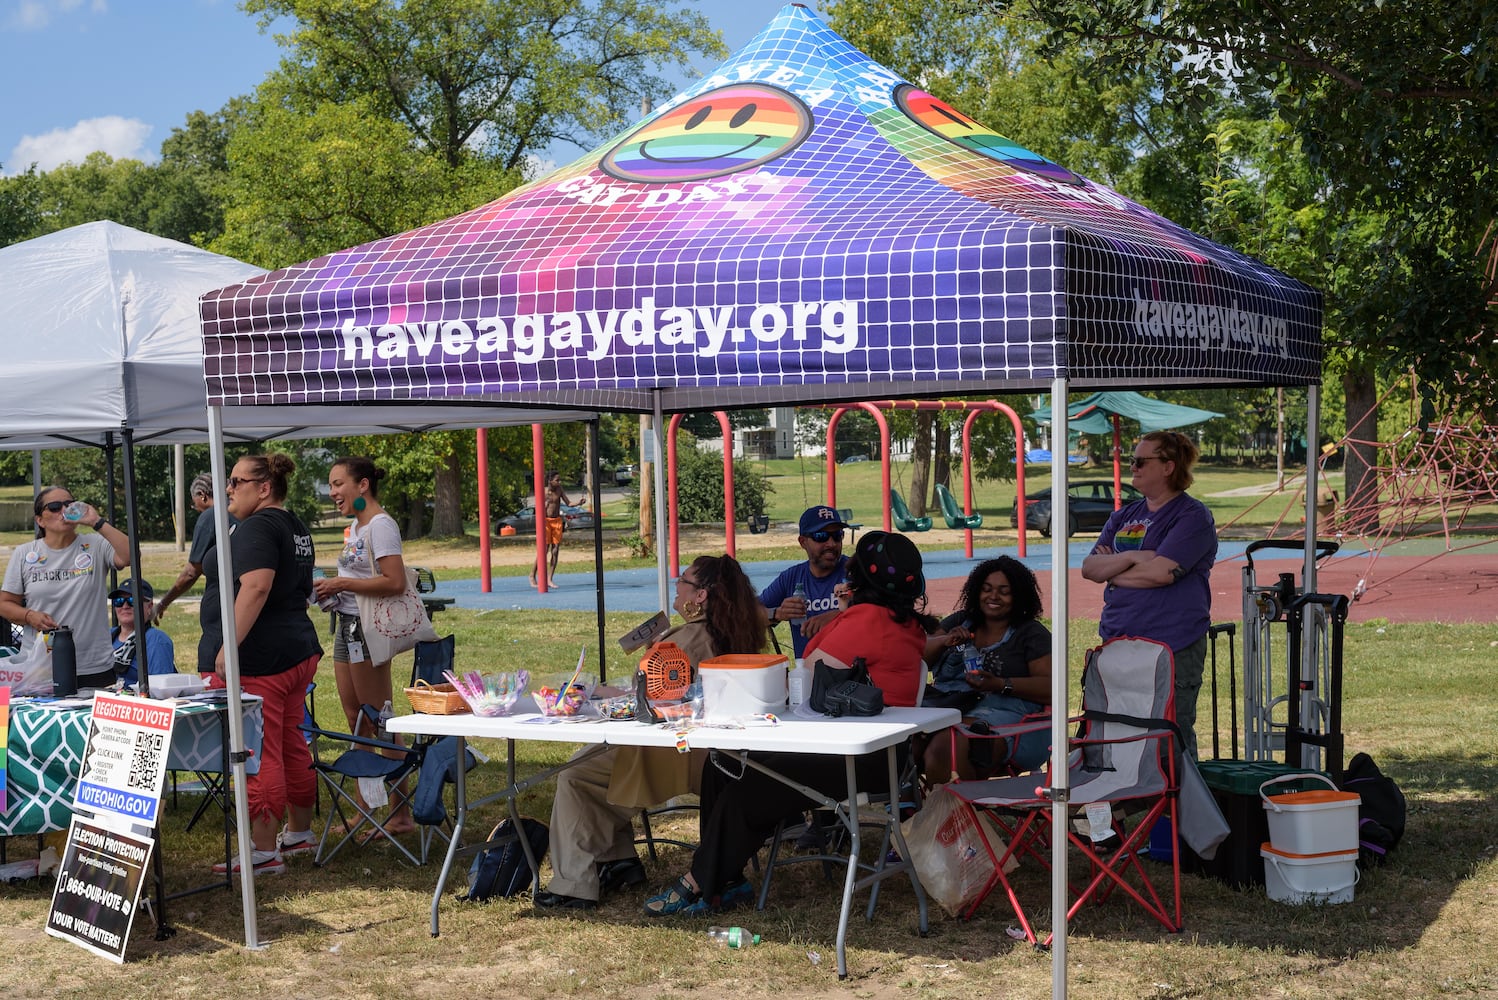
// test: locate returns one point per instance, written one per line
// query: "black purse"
(839, 691)
(963, 701)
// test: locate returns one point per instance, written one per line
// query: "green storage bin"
(1243, 777)
(1235, 786)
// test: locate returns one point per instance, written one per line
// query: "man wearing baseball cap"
(821, 537)
(161, 654)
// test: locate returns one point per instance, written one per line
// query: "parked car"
(1089, 503)
(855, 458)
(625, 474)
(524, 519)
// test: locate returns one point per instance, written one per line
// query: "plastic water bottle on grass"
(732, 937)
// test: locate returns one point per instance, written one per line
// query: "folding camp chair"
(431, 659)
(873, 812)
(428, 762)
(1125, 757)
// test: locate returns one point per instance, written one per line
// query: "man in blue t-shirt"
(161, 654)
(821, 538)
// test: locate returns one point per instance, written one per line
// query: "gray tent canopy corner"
(101, 336)
(799, 226)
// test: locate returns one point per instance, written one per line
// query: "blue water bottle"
(972, 660)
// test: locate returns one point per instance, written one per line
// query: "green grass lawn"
(1416, 698)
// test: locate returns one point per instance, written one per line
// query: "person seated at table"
(61, 579)
(998, 612)
(161, 654)
(592, 816)
(885, 624)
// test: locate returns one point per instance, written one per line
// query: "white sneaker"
(264, 862)
(296, 848)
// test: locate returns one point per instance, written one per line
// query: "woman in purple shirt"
(1154, 558)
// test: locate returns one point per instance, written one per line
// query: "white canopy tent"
(799, 226)
(103, 348)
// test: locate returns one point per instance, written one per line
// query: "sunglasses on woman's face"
(821, 537)
(53, 506)
(123, 602)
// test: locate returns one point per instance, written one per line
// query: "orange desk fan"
(664, 674)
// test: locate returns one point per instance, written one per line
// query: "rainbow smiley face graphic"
(940, 118)
(720, 132)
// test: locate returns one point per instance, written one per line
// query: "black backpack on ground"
(1381, 813)
(502, 870)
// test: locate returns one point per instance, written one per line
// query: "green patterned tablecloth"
(46, 756)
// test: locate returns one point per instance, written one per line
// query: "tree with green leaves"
(178, 198)
(21, 209)
(386, 115)
(498, 79)
(1395, 111)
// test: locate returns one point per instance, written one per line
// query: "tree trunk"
(416, 521)
(1360, 483)
(447, 508)
(920, 459)
(941, 458)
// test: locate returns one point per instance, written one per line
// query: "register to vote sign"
(124, 761)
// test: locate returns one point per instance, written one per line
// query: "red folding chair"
(1124, 757)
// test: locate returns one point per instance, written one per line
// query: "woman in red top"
(886, 625)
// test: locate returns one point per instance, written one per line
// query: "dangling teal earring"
(359, 504)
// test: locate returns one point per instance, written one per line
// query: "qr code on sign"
(147, 758)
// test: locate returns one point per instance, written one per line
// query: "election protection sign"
(124, 761)
(98, 888)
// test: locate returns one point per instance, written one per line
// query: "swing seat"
(904, 520)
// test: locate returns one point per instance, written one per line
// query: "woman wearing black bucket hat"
(885, 624)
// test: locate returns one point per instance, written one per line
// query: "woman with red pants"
(278, 650)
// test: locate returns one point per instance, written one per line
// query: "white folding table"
(848, 738)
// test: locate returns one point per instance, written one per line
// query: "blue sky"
(119, 75)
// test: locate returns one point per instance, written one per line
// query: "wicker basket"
(436, 699)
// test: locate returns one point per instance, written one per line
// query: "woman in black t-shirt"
(998, 612)
(278, 649)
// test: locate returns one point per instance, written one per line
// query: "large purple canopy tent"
(800, 226)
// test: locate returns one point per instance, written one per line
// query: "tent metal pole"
(1060, 677)
(132, 533)
(143, 674)
(659, 430)
(1308, 670)
(1313, 484)
(231, 671)
(597, 543)
(179, 496)
(481, 459)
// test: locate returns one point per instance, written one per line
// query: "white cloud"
(121, 138)
(34, 15)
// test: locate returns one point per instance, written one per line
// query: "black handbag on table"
(839, 691)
